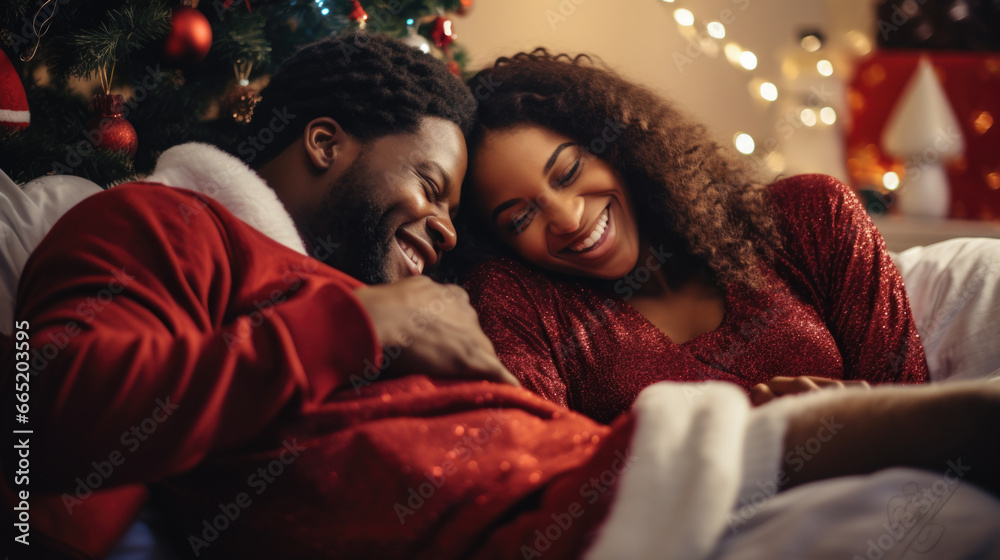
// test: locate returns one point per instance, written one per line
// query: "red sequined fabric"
(835, 307)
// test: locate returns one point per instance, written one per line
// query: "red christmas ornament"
(190, 36)
(358, 14)
(441, 34)
(108, 129)
(464, 8)
(13, 101)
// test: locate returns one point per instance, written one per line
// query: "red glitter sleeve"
(513, 319)
(843, 265)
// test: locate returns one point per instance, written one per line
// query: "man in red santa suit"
(259, 349)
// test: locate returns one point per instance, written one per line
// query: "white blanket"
(892, 514)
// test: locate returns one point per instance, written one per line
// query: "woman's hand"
(781, 386)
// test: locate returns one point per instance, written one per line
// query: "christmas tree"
(185, 71)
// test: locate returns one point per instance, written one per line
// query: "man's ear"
(326, 142)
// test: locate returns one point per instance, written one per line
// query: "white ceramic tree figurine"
(924, 132)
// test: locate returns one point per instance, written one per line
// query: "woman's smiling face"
(555, 204)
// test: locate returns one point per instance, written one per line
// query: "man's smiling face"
(391, 211)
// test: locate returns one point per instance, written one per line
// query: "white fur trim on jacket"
(697, 449)
(216, 174)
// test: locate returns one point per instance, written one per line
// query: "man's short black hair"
(371, 84)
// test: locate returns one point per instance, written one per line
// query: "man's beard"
(350, 216)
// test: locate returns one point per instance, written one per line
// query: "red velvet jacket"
(173, 344)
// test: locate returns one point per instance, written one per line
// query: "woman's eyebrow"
(503, 206)
(555, 154)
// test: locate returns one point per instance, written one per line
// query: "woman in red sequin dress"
(623, 247)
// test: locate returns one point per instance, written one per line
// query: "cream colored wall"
(640, 39)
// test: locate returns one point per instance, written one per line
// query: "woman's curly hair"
(688, 194)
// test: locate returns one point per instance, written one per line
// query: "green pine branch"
(242, 36)
(18, 14)
(121, 33)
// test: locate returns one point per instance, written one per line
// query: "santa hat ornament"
(13, 101)
(924, 131)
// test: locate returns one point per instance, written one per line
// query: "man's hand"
(781, 386)
(933, 427)
(430, 328)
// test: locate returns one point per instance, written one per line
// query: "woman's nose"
(565, 214)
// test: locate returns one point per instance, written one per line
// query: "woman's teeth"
(602, 224)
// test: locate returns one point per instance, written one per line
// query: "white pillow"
(26, 215)
(954, 291)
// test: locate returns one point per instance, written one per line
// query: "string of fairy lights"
(412, 38)
(322, 8)
(711, 37)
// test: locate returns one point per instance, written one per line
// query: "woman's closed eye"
(569, 175)
(521, 220)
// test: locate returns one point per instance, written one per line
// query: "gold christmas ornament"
(241, 99)
(239, 103)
